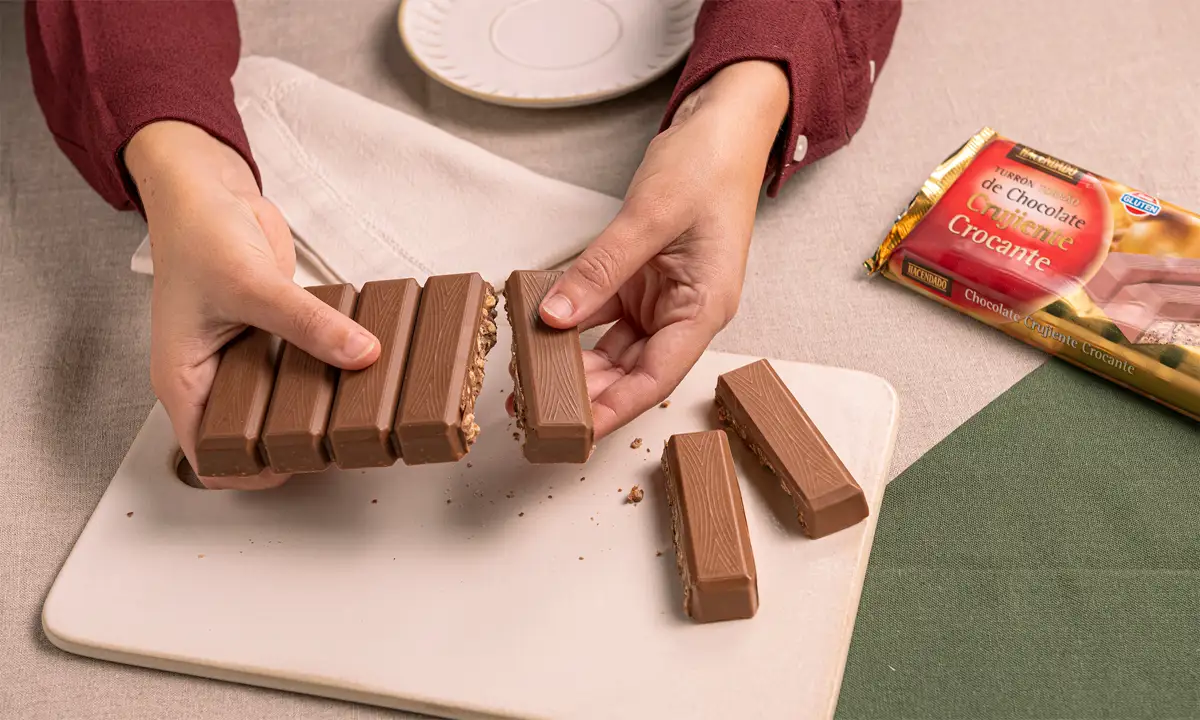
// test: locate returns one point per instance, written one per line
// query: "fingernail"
(558, 307)
(358, 345)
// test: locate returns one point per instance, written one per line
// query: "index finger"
(666, 358)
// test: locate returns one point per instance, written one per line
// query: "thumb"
(628, 243)
(294, 314)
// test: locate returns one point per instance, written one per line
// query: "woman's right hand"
(223, 259)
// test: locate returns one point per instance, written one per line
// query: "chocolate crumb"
(521, 514)
(447, 501)
(658, 554)
(551, 497)
(637, 443)
(647, 449)
(200, 556)
(469, 465)
(517, 436)
(510, 495)
(580, 557)
(129, 514)
(620, 490)
(665, 404)
(583, 478)
(635, 495)
(374, 501)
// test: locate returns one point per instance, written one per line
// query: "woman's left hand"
(668, 270)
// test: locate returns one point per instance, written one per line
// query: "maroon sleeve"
(102, 69)
(832, 51)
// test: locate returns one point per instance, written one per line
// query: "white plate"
(547, 53)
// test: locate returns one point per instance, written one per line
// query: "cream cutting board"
(425, 588)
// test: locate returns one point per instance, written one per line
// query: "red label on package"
(1026, 226)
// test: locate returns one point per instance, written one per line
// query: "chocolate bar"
(227, 443)
(455, 331)
(753, 402)
(1120, 270)
(550, 394)
(293, 436)
(364, 409)
(708, 522)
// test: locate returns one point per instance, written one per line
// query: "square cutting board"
(490, 588)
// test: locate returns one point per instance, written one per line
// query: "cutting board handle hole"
(185, 473)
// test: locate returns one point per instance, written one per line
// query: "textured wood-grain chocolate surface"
(227, 443)
(552, 398)
(429, 419)
(712, 537)
(364, 409)
(757, 405)
(294, 433)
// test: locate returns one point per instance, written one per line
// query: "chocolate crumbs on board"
(665, 404)
(373, 502)
(637, 443)
(521, 514)
(658, 554)
(129, 514)
(635, 495)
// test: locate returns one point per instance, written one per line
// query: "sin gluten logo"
(936, 282)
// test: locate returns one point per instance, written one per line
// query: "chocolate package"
(1095, 272)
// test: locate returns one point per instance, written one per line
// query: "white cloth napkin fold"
(371, 192)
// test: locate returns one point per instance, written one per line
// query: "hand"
(223, 259)
(669, 268)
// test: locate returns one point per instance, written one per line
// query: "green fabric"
(1043, 561)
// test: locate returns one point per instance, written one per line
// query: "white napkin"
(371, 192)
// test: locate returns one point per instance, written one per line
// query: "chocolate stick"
(455, 331)
(227, 443)
(294, 434)
(364, 409)
(754, 403)
(708, 522)
(550, 391)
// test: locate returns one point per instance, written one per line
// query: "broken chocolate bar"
(293, 437)
(227, 443)
(1137, 307)
(364, 410)
(708, 522)
(550, 394)
(754, 403)
(455, 331)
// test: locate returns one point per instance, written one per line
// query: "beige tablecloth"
(1107, 84)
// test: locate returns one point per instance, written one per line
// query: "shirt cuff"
(209, 106)
(800, 38)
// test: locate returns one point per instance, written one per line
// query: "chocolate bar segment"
(550, 394)
(364, 410)
(1121, 270)
(227, 444)
(294, 434)
(455, 330)
(708, 522)
(754, 403)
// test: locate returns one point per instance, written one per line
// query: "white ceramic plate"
(546, 53)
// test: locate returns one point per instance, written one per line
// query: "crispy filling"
(485, 340)
(518, 394)
(676, 529)
(727, 420)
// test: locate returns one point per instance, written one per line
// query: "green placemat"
(1043, 561)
